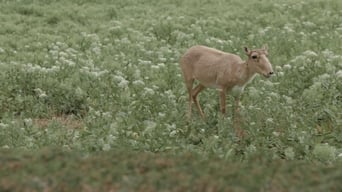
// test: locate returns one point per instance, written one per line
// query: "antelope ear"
(247, 51)
(265, 47)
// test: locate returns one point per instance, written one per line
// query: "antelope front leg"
(237, 120)
(237, 103)
(194, 94)
(223, 101)
(190, 106)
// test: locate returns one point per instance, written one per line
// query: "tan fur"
(224, 71)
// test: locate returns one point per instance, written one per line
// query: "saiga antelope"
(224, 71)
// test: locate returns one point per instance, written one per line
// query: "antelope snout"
(269, 74)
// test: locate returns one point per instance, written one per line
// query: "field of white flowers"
(90, 76)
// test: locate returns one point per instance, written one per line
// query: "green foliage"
(169, 171)
(112, 67)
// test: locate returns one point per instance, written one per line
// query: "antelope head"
(257, 59)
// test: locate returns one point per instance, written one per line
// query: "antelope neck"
(248, 73)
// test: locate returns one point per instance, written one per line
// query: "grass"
(158, 172)
(98, 82)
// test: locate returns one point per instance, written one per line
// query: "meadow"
(92, 97)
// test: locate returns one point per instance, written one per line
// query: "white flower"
(251, 149)
(288, 99)
(161, 114)
(106, 147)
(138, 83)
(63, 54)
(171, 126)
(287, 66)
(288, 28)
(135, 135)
(69, 62)
(309, 24)
(327, 53)
(253, 92)
(324, 152)
(3, 125)
(339, 74)
(170, 94)
(40, 93)
(111, 138)
(161, 65)
(28, 122)
(310, 53)
(269, 120)
(123, 83)
(79, 92)
(162, 59)
(289, 153)
(76, 135)
(148, 91)
(96, 50)
(280, 74)
(268, 83)
(173, 133)
(150, 126)
(155, 67)
(143, 62)
(273, 94)
(264, 31)
(276, 133)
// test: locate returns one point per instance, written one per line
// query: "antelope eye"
(254, 56)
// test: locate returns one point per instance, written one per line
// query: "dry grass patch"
(64, 120)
